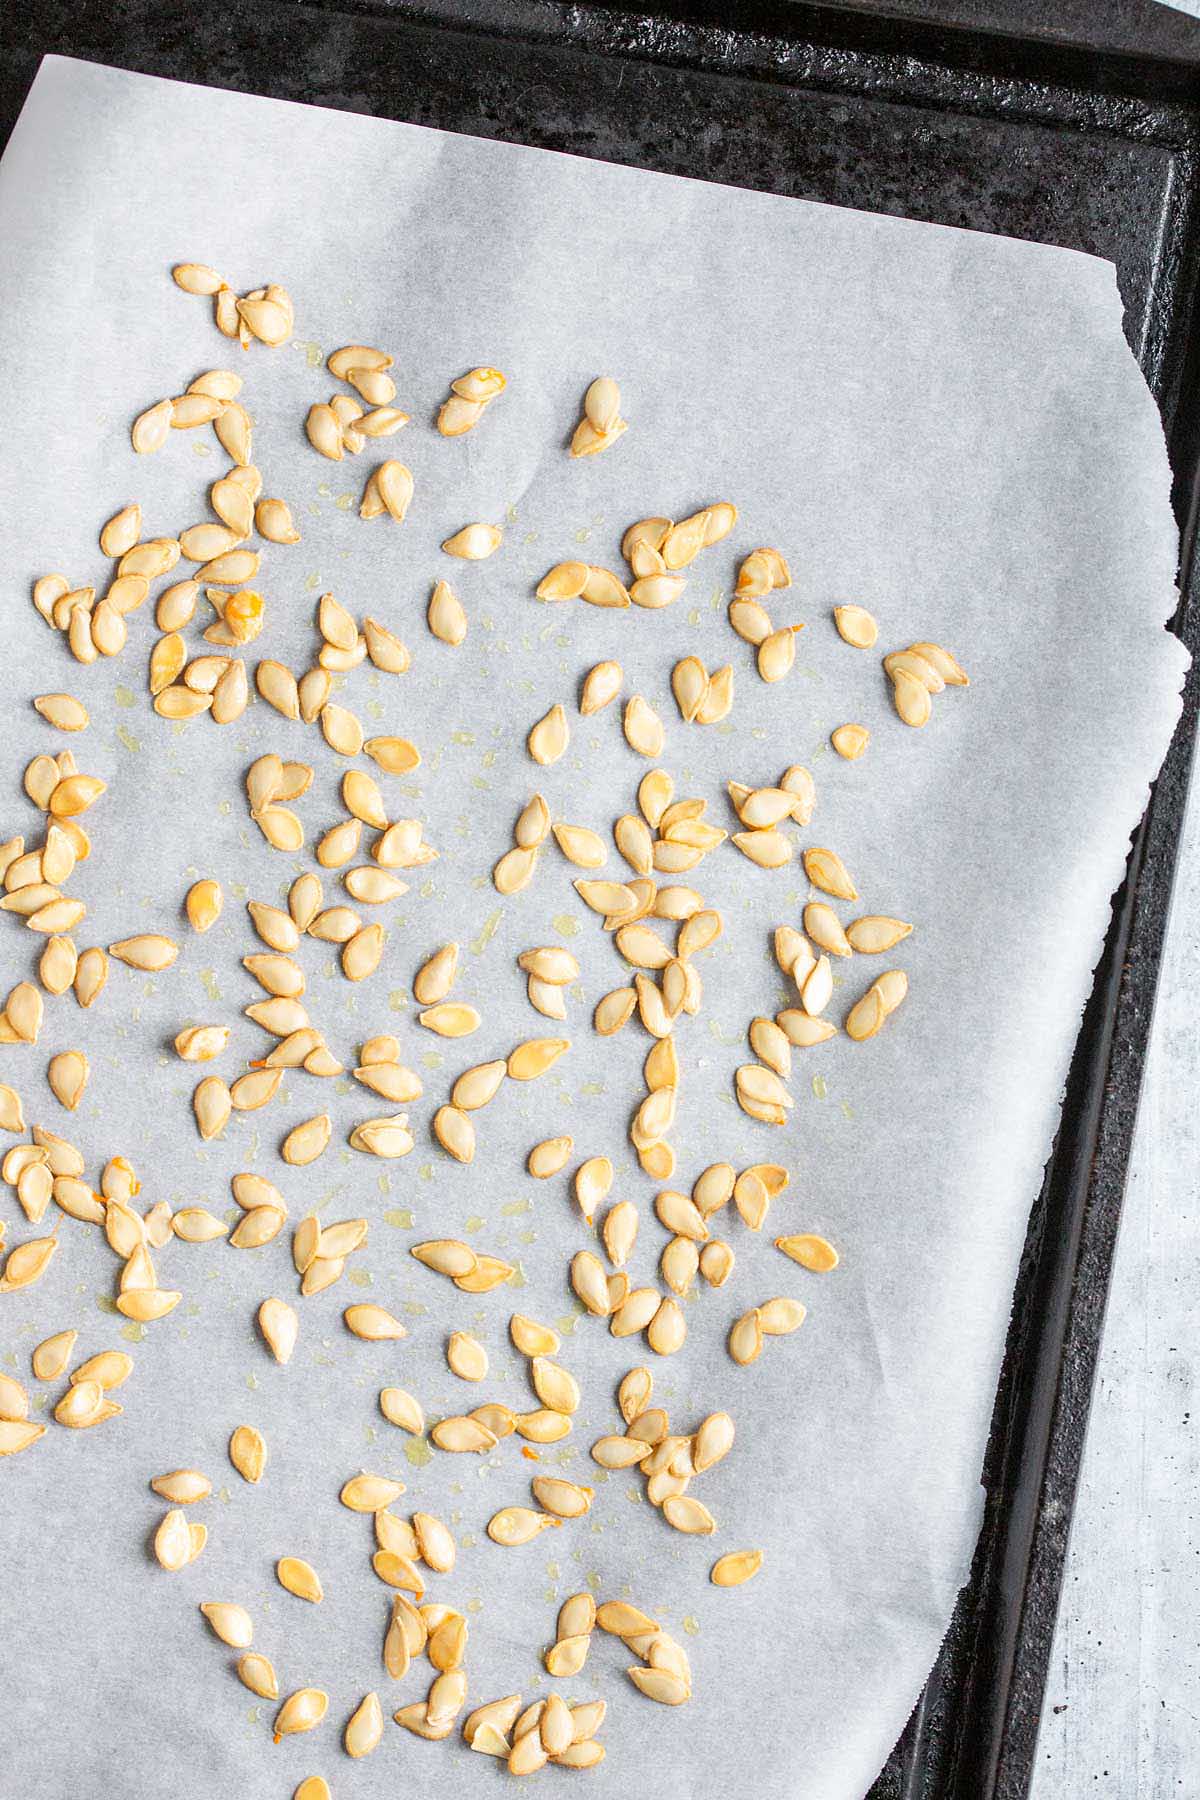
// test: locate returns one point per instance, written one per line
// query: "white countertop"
(1122, 1705)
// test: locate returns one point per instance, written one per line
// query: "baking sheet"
(943, 426)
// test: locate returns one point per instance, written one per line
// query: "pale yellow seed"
(306, 1141)
(370, 1493)
(373, 1323)
(689, 1515)
(299, 1578)
(203, 904)
(301, 1711)
(548, 1157)
(549, 737)
(401, 1409)
(911, 698)
(230, 1622)
(280, 1328)
(248, 1452)
(182, 1487)
(873, 934)
(850, 741)
(172, 1541)
(642, 727)
(474, 542)
(855, 626)
(52, 1355)
(518, 1525)
(745, 1338)
(532, 1059)
(256, 1672)
(364, 1728)
(780, 1317)
(466, 1356)
(446, 616)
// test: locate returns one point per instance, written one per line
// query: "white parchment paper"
(946, 427)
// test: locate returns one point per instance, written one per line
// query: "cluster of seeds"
(918, 673)
(657, 923)
(601, 424)
(763, 571)
(470, 396)
(547, 1731)
(264, 313)
(343, 425)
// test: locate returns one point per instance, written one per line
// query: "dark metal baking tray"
(951, 110)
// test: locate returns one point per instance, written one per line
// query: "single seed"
(299, 1578)
(745, 1338)
(531, 1059)
(401, 1409)
(642, 727)
(549, 737)
(825, 929)
(875, 933)
(280, 1328)
(172, 1540)
(554, 1386)
(364, 1728)
(855, 626)
(151, 952)
(182, 1487)
(548, 1157)
(212, 1105)
(518, 1525)
(688, 1515)
(780, 1317)
(446, 616)
(51, 1356)
(776, 654)
(466, 1356)
(248, 1452)
(256, 1672)
(307, 1141)
(373, 1323)
(203, 904)
(911, 698)
(300, 1712)
(370, 1493)
(463, 1435)
(111, 1368)
(230, 1622)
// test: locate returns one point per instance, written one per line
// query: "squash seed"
(466, 1356)
(172, 1541)
(642, 727)
(248, 1453)
(518, 1525)
(257, 1673)
(373, 1323)
(548, 1157)
(280, 1328)
(811, 1252)
(230, 1622)
(364, 1728)
(549, 738)
(307, 1141)
(51, 1356)
(401, 1409)
(873, 934)
(300, 1712)
(182, 1487)
(299, 1578)
(855, 626)
(370, 1493)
